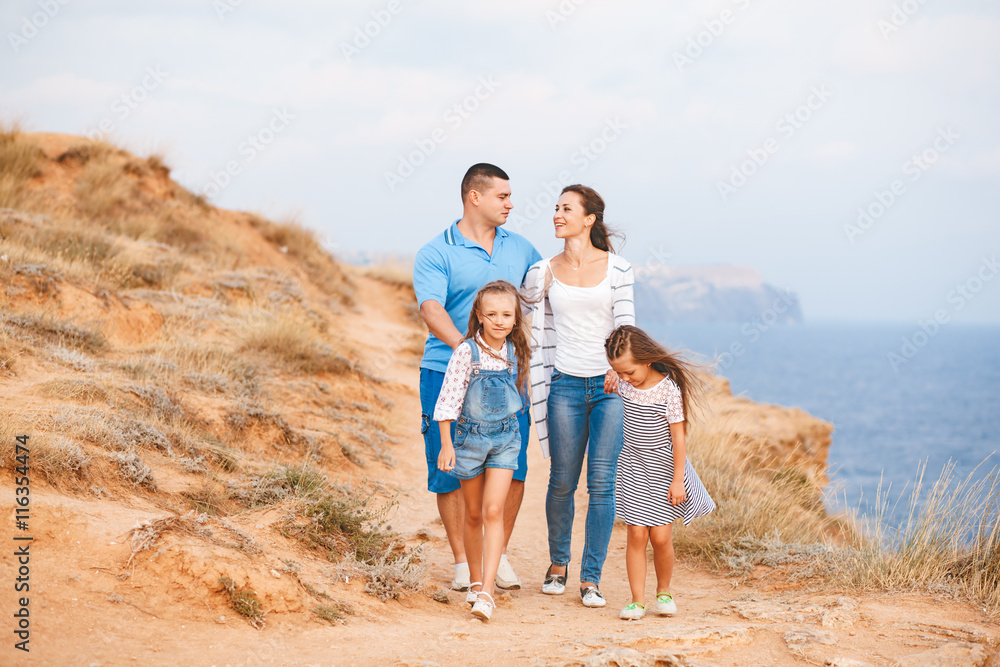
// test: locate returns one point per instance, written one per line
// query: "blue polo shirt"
(451, 269)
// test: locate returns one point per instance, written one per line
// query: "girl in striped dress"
(655, 484)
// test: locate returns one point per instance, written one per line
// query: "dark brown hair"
(480, 176)
(593, 204)
(518, 335)
(645, 350)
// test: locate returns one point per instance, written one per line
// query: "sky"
(848, 151)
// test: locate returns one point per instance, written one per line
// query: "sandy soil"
(90, 606)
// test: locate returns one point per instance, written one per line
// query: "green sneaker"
(633, 611)
(665, 605)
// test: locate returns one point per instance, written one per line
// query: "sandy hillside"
(205, 391)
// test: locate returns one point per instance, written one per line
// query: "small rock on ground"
(616, 656)
(843, 613)
(840, 661)
(955, 654)
(803, 637)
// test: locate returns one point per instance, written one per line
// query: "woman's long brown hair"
(593, 204)
(519, 334)
(645, 350)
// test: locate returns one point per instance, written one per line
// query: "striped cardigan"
(544, 336)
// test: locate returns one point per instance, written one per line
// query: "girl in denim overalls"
(483, 389)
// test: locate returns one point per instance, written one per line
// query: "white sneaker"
(665, 604)
(632, 612)
(506, 578)
(461, 580)
(472, 595)
(483, 608)
(592, 597)
(555, 584)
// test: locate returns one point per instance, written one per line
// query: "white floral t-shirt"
(456, 378)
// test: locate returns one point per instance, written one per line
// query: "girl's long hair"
(518, 336)
(593, 204)
(645, 350)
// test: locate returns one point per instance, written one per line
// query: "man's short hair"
(479, 178)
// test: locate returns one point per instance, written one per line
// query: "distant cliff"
(690, 294)
(711, 294)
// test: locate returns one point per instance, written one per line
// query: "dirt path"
(77, 620)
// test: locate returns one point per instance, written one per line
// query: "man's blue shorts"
(437, 480)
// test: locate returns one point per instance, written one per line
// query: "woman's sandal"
(472, 595)
(483, 608)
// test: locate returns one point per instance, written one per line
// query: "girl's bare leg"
(472, 491)
(494, 498)
(635, 561)
(663, 556)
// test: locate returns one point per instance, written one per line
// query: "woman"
(581, 294)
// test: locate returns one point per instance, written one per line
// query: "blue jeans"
(442, 482)
(580, 412)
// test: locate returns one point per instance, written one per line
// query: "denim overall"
(487, 435)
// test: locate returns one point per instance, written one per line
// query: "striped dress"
(646, 464)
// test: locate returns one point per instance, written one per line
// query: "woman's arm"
(676, 495)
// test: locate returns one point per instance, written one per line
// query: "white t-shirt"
(583, 316)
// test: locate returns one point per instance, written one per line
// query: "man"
(447, 274)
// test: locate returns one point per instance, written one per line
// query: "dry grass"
(347, 521)
(950, 539)
(245, 602)
(349, 525)
(11, 347)
(780, 503)
(73, 389)
(19, 162)
(52, 458)
(132, 469)
(210, 366)
(238, 333)
(333, 613)
(104, 188)
(398, 274)
(294, 343)
(303, 482)
(38, 328)
(302, 245)
(390, 574)
(210, 498)
(147, 533)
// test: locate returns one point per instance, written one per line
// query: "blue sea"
(896, 397)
